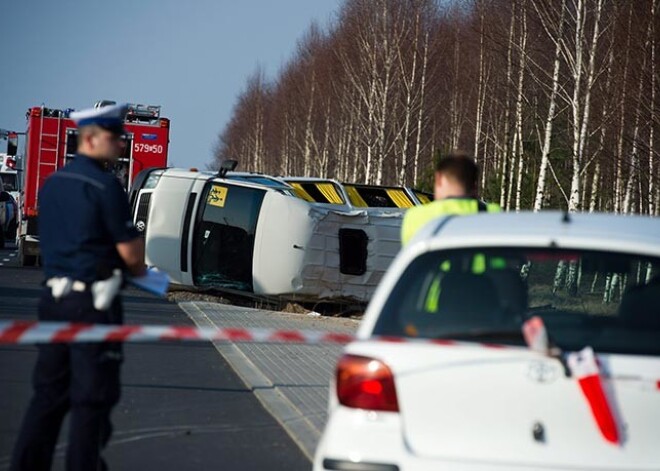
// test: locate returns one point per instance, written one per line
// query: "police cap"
(110, 118)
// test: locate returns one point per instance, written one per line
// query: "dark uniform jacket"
(83, 214)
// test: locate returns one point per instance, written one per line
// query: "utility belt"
(103, 291)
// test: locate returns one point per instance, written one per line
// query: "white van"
(256, 236)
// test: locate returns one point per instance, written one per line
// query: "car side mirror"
(4, 197)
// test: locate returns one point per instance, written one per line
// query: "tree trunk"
(504, 196)
(652, 176)
(420, 115)
(574, 194)
(595, 183)
(618, 179)
(482, 87)
(522, 47)
(634, 157)
(552, 106)
(307, 164)
(410, 86)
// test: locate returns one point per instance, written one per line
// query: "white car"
(442, 377)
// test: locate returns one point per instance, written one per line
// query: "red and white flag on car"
(584, 368)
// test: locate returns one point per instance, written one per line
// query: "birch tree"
(555, 34)
(634, 153)
(558, 93)
(652, 204)
(522, 65)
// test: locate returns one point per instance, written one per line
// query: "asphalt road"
(182, 406)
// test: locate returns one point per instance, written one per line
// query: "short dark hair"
(461, 167)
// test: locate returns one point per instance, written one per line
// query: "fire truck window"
(128, 147)
(121, 169)
(223, 240)
(71, 142)
(9, 181)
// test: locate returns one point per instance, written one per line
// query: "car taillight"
(365, 383)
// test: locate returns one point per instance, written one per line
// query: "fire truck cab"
(51, 142)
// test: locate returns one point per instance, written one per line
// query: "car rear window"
(609, 301)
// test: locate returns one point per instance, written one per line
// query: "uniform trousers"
(82, 378)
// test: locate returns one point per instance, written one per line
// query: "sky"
(193, 58)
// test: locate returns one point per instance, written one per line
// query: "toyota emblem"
(542, 371)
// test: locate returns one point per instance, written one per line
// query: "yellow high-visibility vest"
(418, 216)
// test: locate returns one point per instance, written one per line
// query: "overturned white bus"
(257, 236)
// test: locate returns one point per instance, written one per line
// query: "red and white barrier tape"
(30, 332)
(33, 332)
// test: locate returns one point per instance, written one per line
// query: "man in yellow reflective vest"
(455, 188)
(456, 177)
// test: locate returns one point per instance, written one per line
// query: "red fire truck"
(51, 141)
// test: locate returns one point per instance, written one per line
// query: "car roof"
(604, 231)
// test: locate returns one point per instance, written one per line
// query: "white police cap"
(107, 117)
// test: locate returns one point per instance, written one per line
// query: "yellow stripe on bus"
(423, 198)
(399, 198)
(300, 191)
(354, 196)
(328, 190)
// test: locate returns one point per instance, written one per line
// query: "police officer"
(87, 237)
(455, 188)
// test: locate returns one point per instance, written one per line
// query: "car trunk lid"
(505, 405)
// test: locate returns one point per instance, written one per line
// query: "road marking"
(5, 259)
(294, 422)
